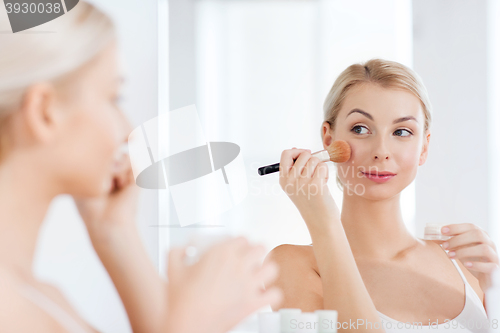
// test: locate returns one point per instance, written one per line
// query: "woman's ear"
(38, 113)
(425, 148)
(326, 134)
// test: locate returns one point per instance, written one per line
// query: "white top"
(472, 319)
(52, 309)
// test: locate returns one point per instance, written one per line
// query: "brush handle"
(322, 155)
(269, 169)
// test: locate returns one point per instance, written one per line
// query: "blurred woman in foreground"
(60, 130)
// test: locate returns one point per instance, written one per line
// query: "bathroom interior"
(258, 73)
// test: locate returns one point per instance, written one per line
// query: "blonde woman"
(60, 129)
(363, 261)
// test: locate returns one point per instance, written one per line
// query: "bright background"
(258, 72)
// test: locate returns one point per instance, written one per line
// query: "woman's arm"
(301, 284)
(343, 287)
(210, 296)
(110, 222)
(305, 182)
(141, 289)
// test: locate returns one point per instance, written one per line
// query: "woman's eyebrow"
(400, 120)
(364, 113)
(369, 116)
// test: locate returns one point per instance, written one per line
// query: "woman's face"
(91, 127)
(385, 129)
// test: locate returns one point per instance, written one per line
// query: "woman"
(363, 261)
(60, 129)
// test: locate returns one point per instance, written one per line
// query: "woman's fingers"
(321, 171)
(228, 280)
(287, 160)
(237, 267)
(272, 296)
(238, 246)
(310, 167)
(483, 267)
(474, 248)
(304, 180)
(457, 228)
(253, 257)
(484, 270)
(267, 273)
(252, 266)
(466, 234)
(300, 163)
(122, 175)
(476, 251)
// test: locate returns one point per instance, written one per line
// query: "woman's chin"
(372, 191)
(100, 189)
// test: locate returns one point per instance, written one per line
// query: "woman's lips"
(379, 178)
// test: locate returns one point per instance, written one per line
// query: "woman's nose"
(381, 156)
(381, 152)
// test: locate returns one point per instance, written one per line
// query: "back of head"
(49, 51)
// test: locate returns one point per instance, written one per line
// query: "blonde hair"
(48, 52)
(387, 74)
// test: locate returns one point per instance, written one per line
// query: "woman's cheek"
(109, 126)
(408, 160)
(350, 170)
(105, 144)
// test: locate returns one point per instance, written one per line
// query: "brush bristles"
(339, 151)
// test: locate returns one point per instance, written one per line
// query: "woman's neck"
(24, 200)
(375, 228)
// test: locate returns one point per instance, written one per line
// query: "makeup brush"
(339, 152)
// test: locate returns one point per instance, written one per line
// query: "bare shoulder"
(297, 254)
(473, 281)
(17, 304)
(15, 309)
(298, 277)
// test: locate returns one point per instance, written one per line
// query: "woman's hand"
(305, 182)
(475, 249)
(110, 221)
(114, 209)
(220, 290)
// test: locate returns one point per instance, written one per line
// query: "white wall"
(263, 69)
(493, 9)
(258, 72)
(451, 53)
(64, 254)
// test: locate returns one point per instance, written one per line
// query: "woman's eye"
(359, 129)
(400, 131)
